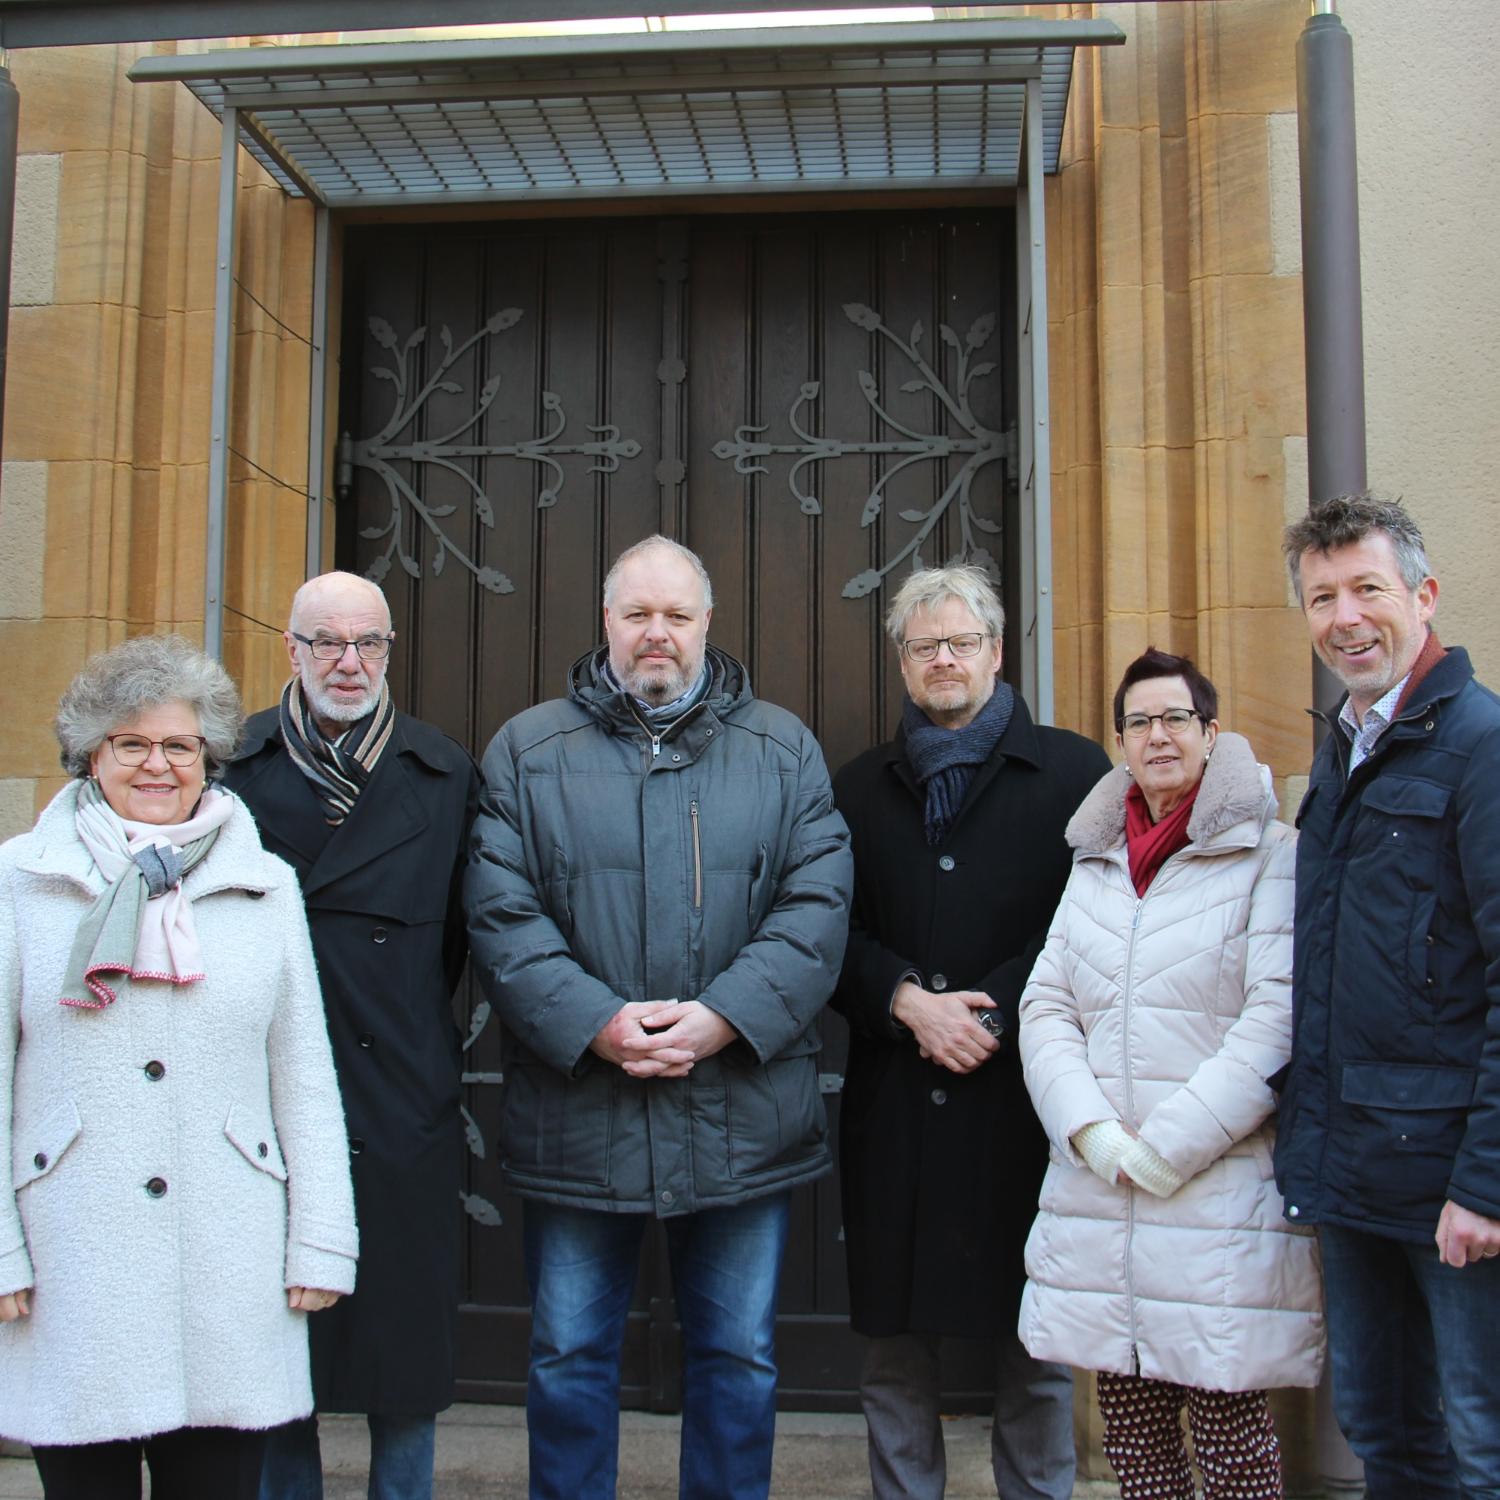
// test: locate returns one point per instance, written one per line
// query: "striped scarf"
(338, 769)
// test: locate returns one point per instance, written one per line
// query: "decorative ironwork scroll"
(978, 446)
(478, 1208)
(380, 452)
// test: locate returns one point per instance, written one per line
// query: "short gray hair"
(930, 588)
(647, 544)
(1344, 520)
(140, 674)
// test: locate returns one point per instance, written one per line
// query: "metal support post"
(1034, 615)
(1332, 309)
(221, 392)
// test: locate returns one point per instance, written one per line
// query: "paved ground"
(482, 1456)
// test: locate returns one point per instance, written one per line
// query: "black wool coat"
(940, 1172)
(383, 901)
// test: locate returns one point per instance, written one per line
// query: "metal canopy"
(74, 23)
(907, 105)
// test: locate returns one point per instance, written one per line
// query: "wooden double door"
(813, 403)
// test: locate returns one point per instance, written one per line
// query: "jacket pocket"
(250, 1133)
(554, 1129)
(776, 1116)
(1407, 1110)
(1402, 828)
(39, 1145)
(758, 903)
(557, 894)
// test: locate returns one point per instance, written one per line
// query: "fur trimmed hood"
(1234, 804)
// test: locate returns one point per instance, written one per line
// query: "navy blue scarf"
(945, 760)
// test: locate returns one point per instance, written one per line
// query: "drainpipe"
(1332, 310)
(10, 115)
(1333, 340)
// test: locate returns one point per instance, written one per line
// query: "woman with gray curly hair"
(174, 1178)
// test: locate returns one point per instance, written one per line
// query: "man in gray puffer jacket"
(657, 895)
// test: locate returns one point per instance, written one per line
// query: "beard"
(953, 698)
(659, 682)
(329, 708)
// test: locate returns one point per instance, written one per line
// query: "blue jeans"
(581, 1266)
(401, 1453)
(1414, 1346)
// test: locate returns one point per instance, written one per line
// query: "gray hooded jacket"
(710, 865)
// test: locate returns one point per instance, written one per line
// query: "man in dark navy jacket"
(1390, 1118)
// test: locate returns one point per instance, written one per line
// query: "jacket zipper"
(1135, 923)
(697, 859)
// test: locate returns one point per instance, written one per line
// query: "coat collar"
(236, 862)
(1449, 676)
(387, 814)
(1020, 742)
(1234, 803)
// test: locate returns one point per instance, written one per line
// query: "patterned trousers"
(1234, 1440)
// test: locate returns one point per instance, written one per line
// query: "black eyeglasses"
(926, 647)
(330, 648)
(135, 749)
(1174, 721)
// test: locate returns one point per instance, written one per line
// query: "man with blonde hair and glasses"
(959, 859)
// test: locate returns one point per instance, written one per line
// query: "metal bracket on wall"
(379, 452)
(978, 447)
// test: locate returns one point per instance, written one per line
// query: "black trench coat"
(383, 901)
(940, 1172)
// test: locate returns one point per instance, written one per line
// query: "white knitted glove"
(1150, 1170)
(1102, 1145)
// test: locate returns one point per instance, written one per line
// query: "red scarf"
(1428, 657)
(1150, 844)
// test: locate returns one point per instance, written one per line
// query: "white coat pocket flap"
(250, 1131)
(39, 1144)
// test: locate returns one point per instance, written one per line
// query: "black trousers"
(192, 1463)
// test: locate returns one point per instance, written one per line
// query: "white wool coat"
(157, 1311)
(1169, 1013)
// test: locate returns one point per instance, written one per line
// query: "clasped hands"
(662, 1038)
(945, 1026)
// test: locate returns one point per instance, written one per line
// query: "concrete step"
(481, 1455)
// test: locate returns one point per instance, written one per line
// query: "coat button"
(940, 981)
(939, 1096)
(676, 757)
(356, 1145)
(39, 1161)
(668, 1196)
(379, 935)
(1430, 940)
(155, 1071)
(366, 1040)
(1292, 1211)
(262, 1150)
(946, 862)
(157, 1187)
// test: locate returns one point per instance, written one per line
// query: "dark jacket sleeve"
(1475, 1182)
(544, 997)
(781, 979)
(871, 972)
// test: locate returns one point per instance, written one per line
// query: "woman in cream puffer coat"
(1156, 1020)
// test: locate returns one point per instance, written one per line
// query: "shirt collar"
(1377, 716)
